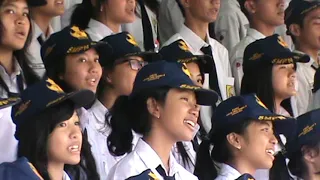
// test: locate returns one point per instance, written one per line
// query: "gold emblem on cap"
(271, 118)
(260, 102)
(183, 46)
(236, 110)
(131, 40)
(282, 61)
(282, 42)
(22, 107)
(256, 56)
(307, 129)
(186, 86)
(186, 70)
(53, 86)
(153, 77)
(77, 33)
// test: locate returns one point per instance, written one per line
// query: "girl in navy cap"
(241, 140)
(303, 150)
(163, 108)
(103, 17)
(49, 134)
(15, 74)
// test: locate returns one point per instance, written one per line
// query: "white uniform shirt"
(227, 173)
(237, 56)
(143, 157)
(11, 80)
(230, 25)
(93, 120)
(8, 145)
(221, 59)
(136, 28)
(305, 79)
(170, 19)
(33, 53)
(191, 153)
(98, 30)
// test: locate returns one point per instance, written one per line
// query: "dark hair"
(296, 163)
(259, 81)
(243, 8)
(205, 168)
(33, 142)
(21, 55)
(299, 22)
(153, 5)
(129, 114)
(84, 12)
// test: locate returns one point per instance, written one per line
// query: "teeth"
(74, 148)
(93, 80)
(270, 151)
(191, 123)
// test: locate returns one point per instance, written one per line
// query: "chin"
(73, 161)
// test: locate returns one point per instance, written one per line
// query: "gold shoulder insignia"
(260, 102)
(35, 171)
(183, 46)
(282, 42)
(77, 33)
(131, 40)
(53, 86)
(186, 70)
(153, 176)
(22, 107)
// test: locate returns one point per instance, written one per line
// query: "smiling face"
(284, 80)
(64, 143)
(82, 71)
(52, 8)
(119, 11)
(16, 25)
(257, 145)
(178, 116)
(203, 10)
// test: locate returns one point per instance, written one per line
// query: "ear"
(234, 140)
(250, 6)
(309, 154)
(106, 76)
(295, 29)
(185, 3)
(153, 107)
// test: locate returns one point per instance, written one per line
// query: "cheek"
(74, 74)
(56, 145)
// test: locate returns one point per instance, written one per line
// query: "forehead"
(315, 13)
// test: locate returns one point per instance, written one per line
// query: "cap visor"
(299, 57)
(205, 97)
(148, 56)
(80, 98)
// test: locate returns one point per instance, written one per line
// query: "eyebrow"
(13, 5)
(264, 123)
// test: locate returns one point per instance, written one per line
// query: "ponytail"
(205, 168)
(296, 164)
(120, 139)
(279, 168)
(131, 113)
(82, 14)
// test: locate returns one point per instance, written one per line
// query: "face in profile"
(64, 143)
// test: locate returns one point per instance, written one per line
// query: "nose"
(21, 20)
(95, 67)
(293, 74)
(273, 139)
(75, 133)
(195, 110)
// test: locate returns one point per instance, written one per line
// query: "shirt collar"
(229, 171)
(193, 39)
(99, 111)
(144, 151)
(17, 69)
(37, 31)
(99, 28)
(65, 176)
(255, 34)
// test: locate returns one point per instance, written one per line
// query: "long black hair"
(129, 114)
(21, 55)
(205, 168)
(33, 141)
(84, 12)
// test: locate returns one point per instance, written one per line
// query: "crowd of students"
(159, 89)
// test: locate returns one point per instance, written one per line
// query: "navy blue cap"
(124, 45)
(50, 95)
(145, 175)
(270, 50)
(297, 10)
(241, 108)
(180, 52)
(307, 131)
(245, 176)
(174, 75)
(70, 40)
(35, 3)
(7, 102)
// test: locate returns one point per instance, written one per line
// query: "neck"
(43, 22)
(160, 144)
(311, 176)
(263, 28)
(242, 166)
(6, 59)
(55, 170)
(114, 26)
(198, 27)
(108, 98)
(313, 53)
(277, 105)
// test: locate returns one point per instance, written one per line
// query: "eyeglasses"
(136, 64)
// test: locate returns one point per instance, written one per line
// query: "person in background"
(49, 135)
(243, 139)
(42, 12)
(145, 26)
(70, 6)
(163, 108)
(302, 19)
(104, 17)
